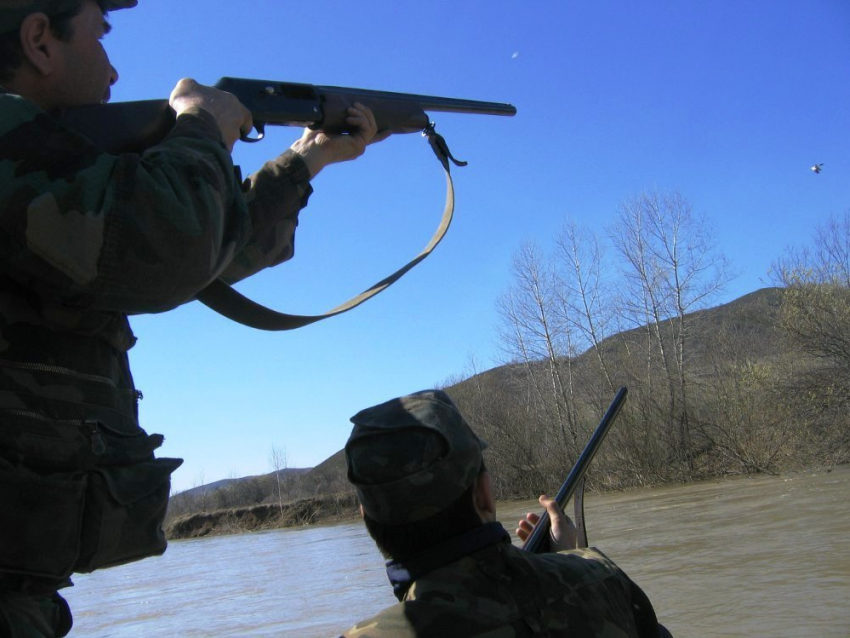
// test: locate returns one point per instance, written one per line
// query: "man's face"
(84, 73)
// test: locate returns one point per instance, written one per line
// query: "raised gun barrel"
(534, 543)
(136, 126)
(324, 107)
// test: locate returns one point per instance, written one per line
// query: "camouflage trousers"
(33, 615)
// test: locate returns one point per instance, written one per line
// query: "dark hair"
(11, 54)
(402, 541)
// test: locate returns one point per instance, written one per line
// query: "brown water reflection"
(766, 556)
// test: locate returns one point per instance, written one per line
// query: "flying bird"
(816, 168)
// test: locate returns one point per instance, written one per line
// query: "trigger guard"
(261, 133)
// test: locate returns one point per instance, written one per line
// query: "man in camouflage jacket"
(426, 501)
(87, 238)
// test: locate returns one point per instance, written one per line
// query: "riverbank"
(239, 520)
(343, 508)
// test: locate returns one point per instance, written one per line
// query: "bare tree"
(277, 460)
(542, 341)
(674, 268)
(585, 302)
(200, 482)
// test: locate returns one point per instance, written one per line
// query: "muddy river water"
(766, 556)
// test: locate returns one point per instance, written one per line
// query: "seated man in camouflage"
(426, 501)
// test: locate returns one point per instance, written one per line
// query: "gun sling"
(226, 301)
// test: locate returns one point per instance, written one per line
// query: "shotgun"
(536, 542)
(135, 126)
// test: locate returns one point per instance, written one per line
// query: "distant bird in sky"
(816, 168)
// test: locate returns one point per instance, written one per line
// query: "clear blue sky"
(728, 102)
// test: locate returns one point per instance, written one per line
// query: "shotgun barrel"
(535, 542)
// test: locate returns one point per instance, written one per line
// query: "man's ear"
(362, 511)
(38, 43)
(482, 496)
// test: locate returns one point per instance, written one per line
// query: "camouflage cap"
(411, 457)
(13, 12)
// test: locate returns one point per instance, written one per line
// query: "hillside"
(209, 488)
(750, 319)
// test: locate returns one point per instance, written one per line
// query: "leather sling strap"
(220, 297)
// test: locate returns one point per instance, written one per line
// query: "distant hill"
(208, 488)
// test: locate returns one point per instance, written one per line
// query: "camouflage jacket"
(497, 590)
(87, 238)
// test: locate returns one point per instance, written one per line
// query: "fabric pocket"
(124, 510)
(41, 522)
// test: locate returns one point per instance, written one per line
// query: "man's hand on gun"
(562, 531)
(317, 148)
(232, 117)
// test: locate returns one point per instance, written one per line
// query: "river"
(766, 556)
